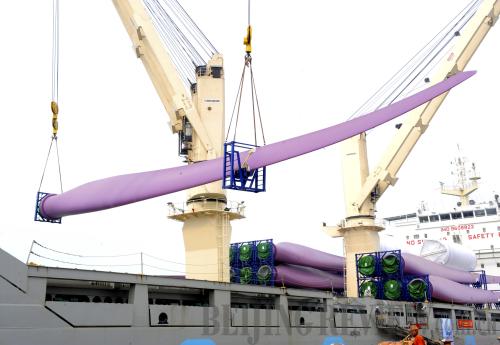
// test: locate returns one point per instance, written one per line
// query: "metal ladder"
(222, 244)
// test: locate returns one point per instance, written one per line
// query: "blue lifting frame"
(482, 281)
(38, 215)
(236, 175)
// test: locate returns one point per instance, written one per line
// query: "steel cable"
(55, 50)
(183, 39)
(182, 62)
(87, 265)
(83, 256)
(55, 91)
(193, 34)
(196, 27)
(410, 71)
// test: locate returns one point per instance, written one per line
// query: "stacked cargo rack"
(417, 288)
(381, 275)
(252, 262)
(391, 270)
(368, 274)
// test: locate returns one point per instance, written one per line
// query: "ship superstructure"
(474, 225)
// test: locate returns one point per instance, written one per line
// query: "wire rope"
(59, 165)
(196, 27)
(118, 256)
(176, 271)
(258, 106)
(253, 91)
(194, 55)
(238, 102)
(187, 45)
(87, 265)
(193, 34)
(409, 73)
(433, 57)
(55, 50)
(253, 104)
(55, 94)
(249, 12)
(164, 27)
(163, 24)
(83, 256)
(178, 263)
(45, 166)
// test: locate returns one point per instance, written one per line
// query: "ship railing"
(453, 188)
(489, 253)
(405, 218)
(386, 321)
(206, 205)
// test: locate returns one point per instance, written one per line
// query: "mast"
(464, 185)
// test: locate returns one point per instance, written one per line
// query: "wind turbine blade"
(126, 189)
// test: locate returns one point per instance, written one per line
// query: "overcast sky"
(315, 62)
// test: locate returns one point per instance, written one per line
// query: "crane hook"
(247, 40)
(55, 111)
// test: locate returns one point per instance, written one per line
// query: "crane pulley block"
(237, 174)
(247, 40)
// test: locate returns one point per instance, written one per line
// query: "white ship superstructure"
(474, 225)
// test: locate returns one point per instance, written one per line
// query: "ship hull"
(44, 305)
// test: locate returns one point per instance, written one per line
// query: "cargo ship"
(47, 305)
(53, 305)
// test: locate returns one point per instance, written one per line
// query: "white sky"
(315, 62)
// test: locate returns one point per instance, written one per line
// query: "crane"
(362, 188)
(199, 118)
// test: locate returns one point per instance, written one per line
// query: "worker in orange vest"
(412, 339)
(417, 338)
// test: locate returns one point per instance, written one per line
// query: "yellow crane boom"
(362, 189)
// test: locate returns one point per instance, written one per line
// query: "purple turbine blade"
(418, 265)
(301, 266)
(127, 189)
(442, 289)
(296, 254)
(492, 280)
(300, 276)
(449, 291)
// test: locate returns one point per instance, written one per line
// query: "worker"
(417, 338)
(413, 338)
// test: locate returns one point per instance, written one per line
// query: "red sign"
(465, 324)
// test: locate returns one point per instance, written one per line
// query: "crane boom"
(162, 72)
(362, 189)
(198, 116)
(418, 120)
